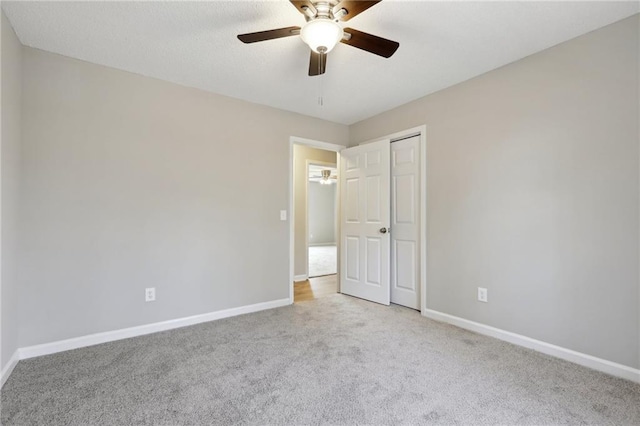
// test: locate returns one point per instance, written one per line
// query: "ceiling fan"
(324, 177)
(323, 31)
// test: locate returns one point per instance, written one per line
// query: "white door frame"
(422, 132)
(314, 144)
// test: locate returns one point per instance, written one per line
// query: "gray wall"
(322, 214)
(132, 182)
(10, 153)
(533, 193)
(301, 155)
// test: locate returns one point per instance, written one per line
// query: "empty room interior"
(320, 212)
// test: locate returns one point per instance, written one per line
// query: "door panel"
(352, 201)
(373, 268)
(365, 204)
(352, 163)
(404, 209)
(405, 257)
(352, 261)
(373, 199)
(405, 228)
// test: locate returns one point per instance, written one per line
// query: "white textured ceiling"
(195, 44)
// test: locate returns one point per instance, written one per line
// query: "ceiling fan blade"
(353, 7)
(373, 44)
(269, 34)
(305, 7)
(317, 63)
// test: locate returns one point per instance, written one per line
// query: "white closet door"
(365, 218)
(405, 222)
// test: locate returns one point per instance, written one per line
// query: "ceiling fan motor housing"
(323, 9)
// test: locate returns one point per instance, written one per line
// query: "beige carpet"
(335, 360)
(322, 260)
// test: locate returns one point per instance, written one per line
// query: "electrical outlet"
(150, 294)
(482, 294)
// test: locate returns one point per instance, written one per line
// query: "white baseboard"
(322, 244)
(593, 362)
(299, 278)
(8, 369)
(125, 333)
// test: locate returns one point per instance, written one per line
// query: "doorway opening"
(321, 219)
(313, 203)
(321, 243)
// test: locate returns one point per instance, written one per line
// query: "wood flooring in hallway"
(314, 288)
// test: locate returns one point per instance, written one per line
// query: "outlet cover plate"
(150, 294)
(482, 294)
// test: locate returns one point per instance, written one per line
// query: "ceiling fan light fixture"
(326, 177)
(321, 34)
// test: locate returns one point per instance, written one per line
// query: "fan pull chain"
(321, 80)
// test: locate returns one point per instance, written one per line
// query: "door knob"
(384, 230)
